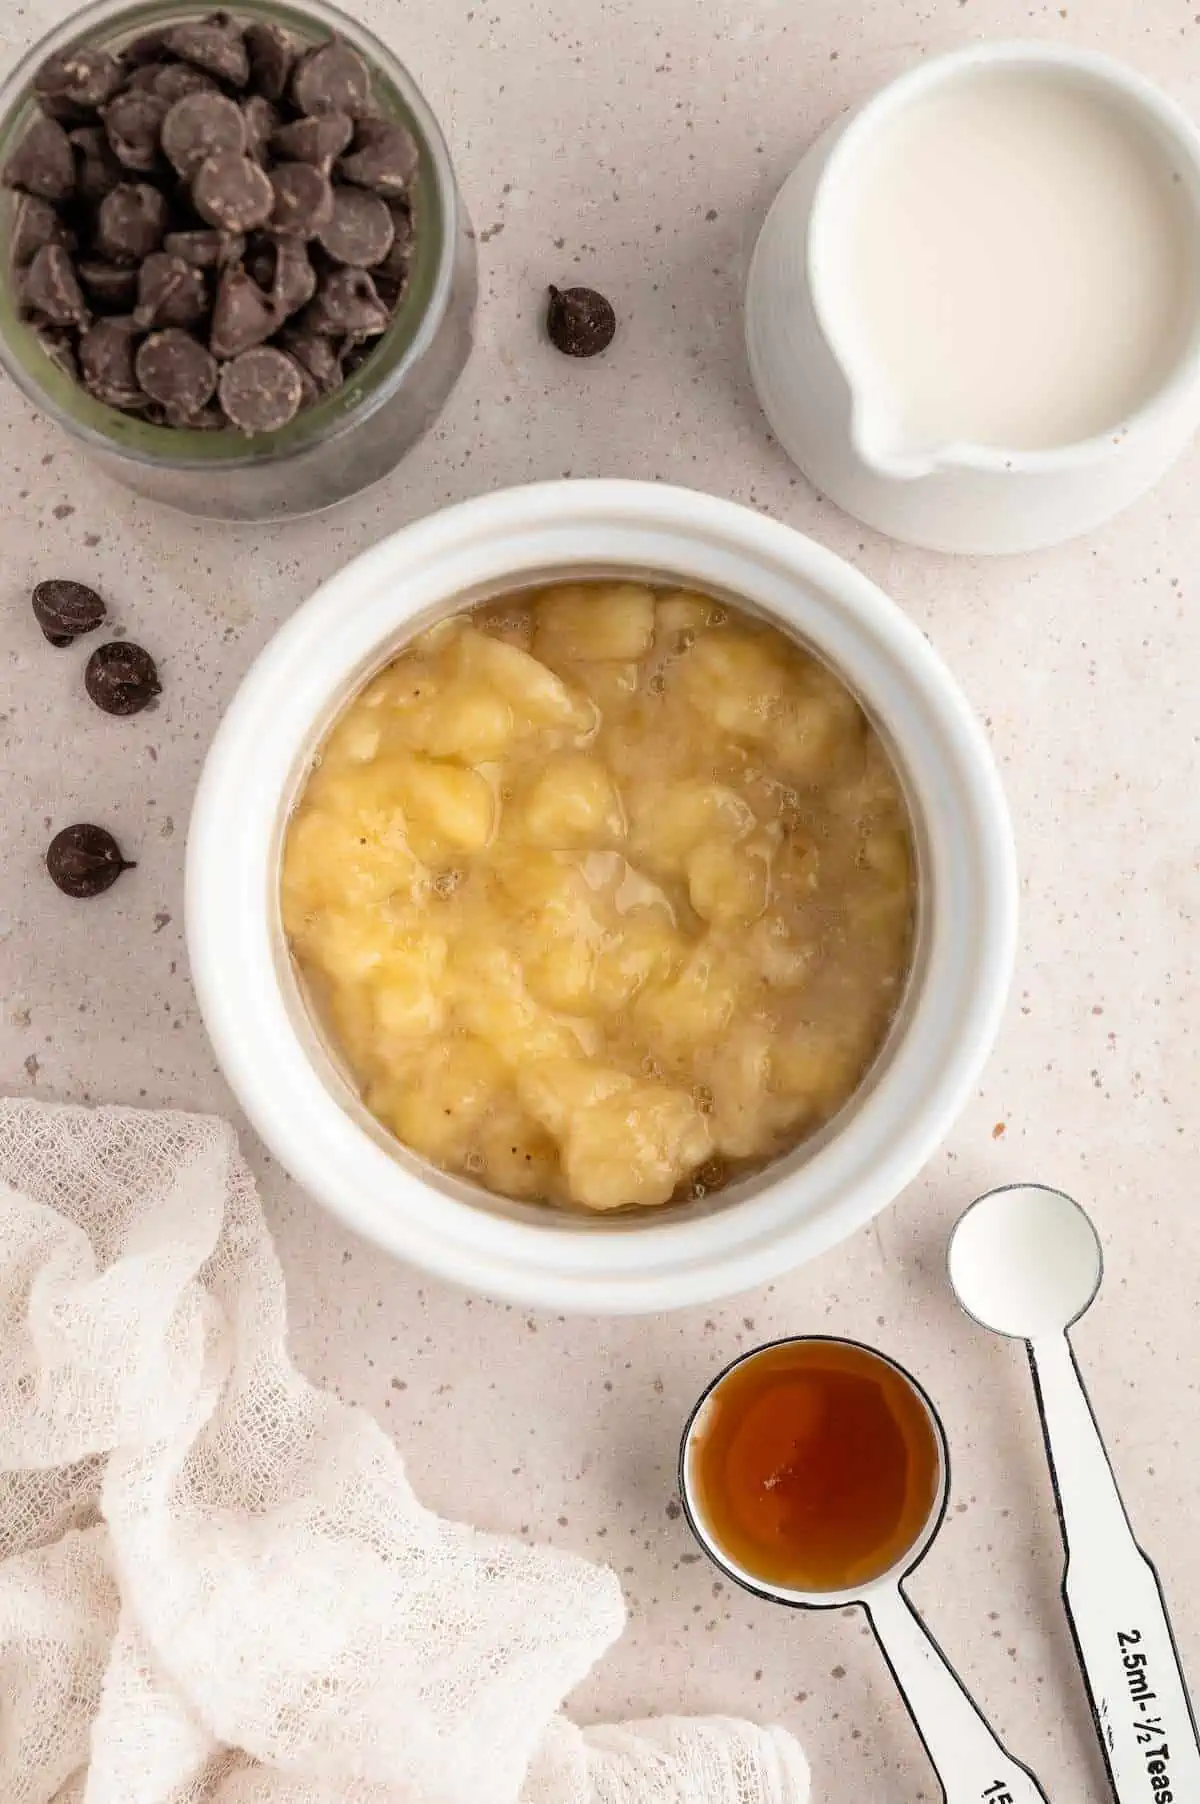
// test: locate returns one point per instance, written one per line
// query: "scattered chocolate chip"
(43, 163)
(233, 192)
(271, 53)
(384, 157)
(581, 323)
(214, 45)
(130, 222)
(317, 140)
(121, 677)
(134, 123)
(292, 281)
(206, 248)
(112, 287)
(261, 120)
(346, 302)
(97, 170)
(66, 610)
(84, 77)
(359, 230)
(316, 356)
(179, 80)
(261, 390)
(199, 126)
(243, 316)
(106, 363)
(58, 343)
(34, 224)
(84, 860)
(303, 201)
(170, 292)
(176, 370)
(51, 288)
(332, 79)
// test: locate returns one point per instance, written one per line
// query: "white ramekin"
(291, 1087)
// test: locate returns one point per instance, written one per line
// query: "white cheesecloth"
(216, 1584)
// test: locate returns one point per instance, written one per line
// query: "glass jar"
(348, 439)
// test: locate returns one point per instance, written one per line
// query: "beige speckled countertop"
(635, 145)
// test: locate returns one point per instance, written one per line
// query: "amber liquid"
(814, 1465)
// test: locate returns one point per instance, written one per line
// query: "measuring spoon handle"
(1114, 1601)
(970, 1763)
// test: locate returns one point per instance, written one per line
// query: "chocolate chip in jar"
(318, 140)
(106, 362)
(580, 322)
(35, 223)
(346, 304)
(206, 247)
(84, 860)
(359, 230)
(133, 122)
(130, 222)
(384, 157)
(58, 344)
(231, 191)
(316, 354)
(282, 268)
(332, 78)
(170, 292)
(200, 126)
(303, 200)
(43, 163)
(176, 370)
(243, 316)
(272, 54)
(260, 391)
(110, 287)
(51, 290)
(66, 610)
(121, 677)
(216, 45)
(261, 121)
(84, 77)
(97, 171)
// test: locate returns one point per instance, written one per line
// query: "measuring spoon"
(972, 1766)
(1026, 1262)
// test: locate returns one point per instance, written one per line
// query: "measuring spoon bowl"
(1025, 1261)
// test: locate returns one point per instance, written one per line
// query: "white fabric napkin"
(216, 1585)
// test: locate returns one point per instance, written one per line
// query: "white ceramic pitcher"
(963, 497)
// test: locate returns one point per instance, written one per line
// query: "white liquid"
(1012, 262)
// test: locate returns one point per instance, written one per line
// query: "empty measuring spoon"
(862, 1429)
(1026, 1262)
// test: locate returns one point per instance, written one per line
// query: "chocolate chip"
(261, 390)
(51, 288)
(580, 322)
(384, 157)
(43, 163)
(199, 126)
(360, 230)
(170, 292)
(84, 77)
(208, 419)
(347, 302)
(84, 860)
(35, 223)
(176, 81)
(205, 249)
(66, 610)
(106, 363)
(271, 54)
(283, 268)
(217, 46)
(97, 170)
(175, 369)
(395, 266)
(233, 192)
(130, 222)
(121, 677)
(332, 79)
(316, 356)
(112, 286)
(261, 120)
(242, 314)
(304, 199)
(147, 47)
(317, 140)
(58, 343)
(134, 122)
